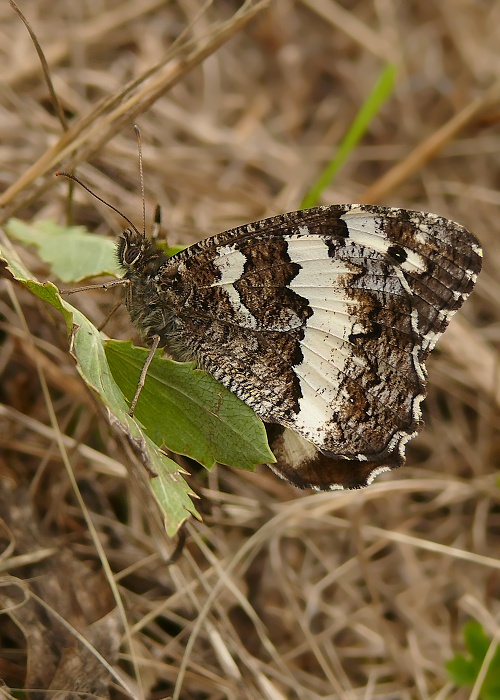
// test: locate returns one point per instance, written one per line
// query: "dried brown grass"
(278, 593)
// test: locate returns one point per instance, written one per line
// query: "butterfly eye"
(131, 255)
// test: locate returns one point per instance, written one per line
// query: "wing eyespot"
(397, 253)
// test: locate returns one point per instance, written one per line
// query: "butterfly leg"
(105, 285)
(144, 371)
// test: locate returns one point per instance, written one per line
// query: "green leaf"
(167, 484)
(381, 91)
(476, 640)
(170, 250)
(189, 411)
(72, 253)
(464, 671)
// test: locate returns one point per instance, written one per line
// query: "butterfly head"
(135, 252)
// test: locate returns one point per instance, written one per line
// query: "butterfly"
(320, 320)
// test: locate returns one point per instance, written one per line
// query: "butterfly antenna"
(60, 173)
(141, 175)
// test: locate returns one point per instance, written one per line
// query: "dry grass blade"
(93, 31)
(89, 133)
(431, 146)
(45, 66)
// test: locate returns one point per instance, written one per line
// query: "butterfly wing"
(321, 320)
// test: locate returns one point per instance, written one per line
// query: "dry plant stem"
(179, 547)
(144, 371)
(69, 470)
(351, 25)
(91, 33)
(106, 465)
(476, 355)
(429, 148)
(90, 132)
(54, 374)
(120, 680)
(45, 67)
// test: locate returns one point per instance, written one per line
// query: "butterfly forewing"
(321, 320)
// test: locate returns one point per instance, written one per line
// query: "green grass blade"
(380, 93)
